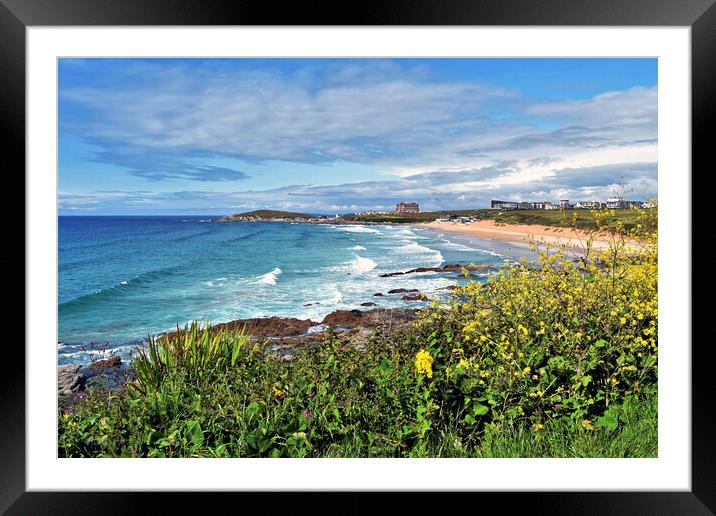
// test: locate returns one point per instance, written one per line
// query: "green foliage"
(194, 351)
(267, 214)
(410, 218)
(550, 359)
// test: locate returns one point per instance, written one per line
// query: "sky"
(218, 136)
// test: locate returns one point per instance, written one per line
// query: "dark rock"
(264, 326)
(345, 318)
(379, 294)
(403, 290)
(368, 303)
(70, 380)
(370, 318)
(104, 364)
(419, 297)
(450, 267)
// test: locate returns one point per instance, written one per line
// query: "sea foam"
(358, 229)
(415, 248)
(271, 278)
(361, 264)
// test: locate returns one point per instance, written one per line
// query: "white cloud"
(447, 142)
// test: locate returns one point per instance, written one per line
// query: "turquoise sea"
(123, 278)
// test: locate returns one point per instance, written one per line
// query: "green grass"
(637, 437)
(582, 218)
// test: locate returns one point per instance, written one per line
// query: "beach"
(524, 233)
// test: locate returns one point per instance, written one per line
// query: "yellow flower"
(527, 370)
(424, 363)
(537, 427)
(586, 423)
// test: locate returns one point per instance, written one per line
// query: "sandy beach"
(523, 232)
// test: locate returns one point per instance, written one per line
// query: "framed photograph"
(427, 249)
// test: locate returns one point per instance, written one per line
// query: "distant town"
(563, 204)
(410, 212)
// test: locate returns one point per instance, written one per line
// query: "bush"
(568, 337)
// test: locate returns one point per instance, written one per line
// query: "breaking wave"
(271, 278)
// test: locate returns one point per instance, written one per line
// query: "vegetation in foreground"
(550, 359)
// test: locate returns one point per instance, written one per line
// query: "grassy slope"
(426, 216)
(584, 218)
(273, 214)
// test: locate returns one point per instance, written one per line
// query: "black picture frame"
(700, 15)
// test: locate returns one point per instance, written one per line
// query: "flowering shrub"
(566, 337)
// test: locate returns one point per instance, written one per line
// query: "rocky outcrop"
(417, 297)
(368, 303)
(105, 364)
(403, 291)
(265, 326)
(369, 318)
(450, 267)
(70, 380)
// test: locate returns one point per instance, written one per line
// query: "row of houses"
(564, 204)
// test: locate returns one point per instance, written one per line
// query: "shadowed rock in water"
(450, 267)
(418, 297)
(403, 291)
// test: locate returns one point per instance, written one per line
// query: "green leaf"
(479, 409)
(608, 420)
(194, 433)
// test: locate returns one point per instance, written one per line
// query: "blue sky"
(214, 136)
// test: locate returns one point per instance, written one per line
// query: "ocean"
(121, 279)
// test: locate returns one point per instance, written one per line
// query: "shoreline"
(521, 233)
(508, 241)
